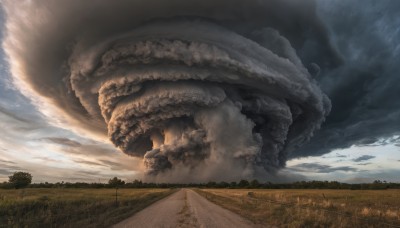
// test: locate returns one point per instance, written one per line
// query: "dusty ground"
(185, 208)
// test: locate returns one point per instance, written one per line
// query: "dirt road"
(185, 208)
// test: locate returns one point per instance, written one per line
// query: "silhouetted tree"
(20, 179)
(223, 184)
(254, 184)
(243, 184)
(137, 183)
(115, 182)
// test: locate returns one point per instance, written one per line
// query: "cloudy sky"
(365, 147)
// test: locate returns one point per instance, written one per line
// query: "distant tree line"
(20, 180)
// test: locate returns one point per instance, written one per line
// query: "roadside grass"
(311, 208)
(73, 207)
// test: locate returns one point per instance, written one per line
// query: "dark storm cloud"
(364, 91)
(165, 82)
(364, 158)
(318, 168)
(175, 82)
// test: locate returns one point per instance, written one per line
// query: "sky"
(32, 140)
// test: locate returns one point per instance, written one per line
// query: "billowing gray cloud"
(363, 158)
(364, 90)
(175, 83)
(220, 89)
(318, 168)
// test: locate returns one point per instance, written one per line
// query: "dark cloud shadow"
(86, 162)
(318, 168)
(366, 163)
(63, 141)
(364, 158)
(340, 155)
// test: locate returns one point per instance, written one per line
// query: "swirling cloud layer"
(198, 89)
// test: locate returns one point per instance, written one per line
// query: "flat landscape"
(311, 208)
(57, 207)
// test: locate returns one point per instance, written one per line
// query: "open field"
(73, 207)
(311, 208)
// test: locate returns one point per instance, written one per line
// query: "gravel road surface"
(185, 208)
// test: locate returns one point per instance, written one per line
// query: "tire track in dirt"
(183, 209)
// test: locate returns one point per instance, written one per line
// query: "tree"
(243, 184)
(115, 182)
(223, 184)
(254, 184)
(211, 184)
(137, 183)
(20, 179)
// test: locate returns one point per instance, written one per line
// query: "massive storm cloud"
(197, 89)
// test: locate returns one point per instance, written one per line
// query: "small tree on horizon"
(116, 182)
(254, 184)
(243, 184)
(20, 179)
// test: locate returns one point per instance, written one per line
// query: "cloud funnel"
(210, 89)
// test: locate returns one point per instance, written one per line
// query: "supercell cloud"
(199, 90)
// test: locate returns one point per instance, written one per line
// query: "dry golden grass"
(312, 208)
(72, 207)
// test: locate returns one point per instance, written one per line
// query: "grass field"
(312, 208)
(72, 207)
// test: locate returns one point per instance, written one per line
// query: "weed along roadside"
(73, 207)
(311, 208)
